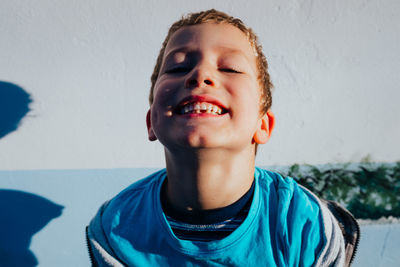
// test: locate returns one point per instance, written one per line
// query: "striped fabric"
(210, 225)
(207, 232)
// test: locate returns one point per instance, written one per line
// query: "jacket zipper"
(89, 247)
(357, 240)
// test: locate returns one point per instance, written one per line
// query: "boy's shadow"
(14, 105)
(22, 215)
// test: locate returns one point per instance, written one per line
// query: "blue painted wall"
(44, 213)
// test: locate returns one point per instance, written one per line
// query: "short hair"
(215, 16)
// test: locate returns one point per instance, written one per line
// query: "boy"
(210, 107)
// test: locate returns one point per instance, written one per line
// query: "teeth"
(201, 107)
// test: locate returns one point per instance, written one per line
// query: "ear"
(152, 136)
(263, 132)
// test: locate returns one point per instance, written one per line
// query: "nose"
(200, 76)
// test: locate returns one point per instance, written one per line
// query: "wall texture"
(86, 66)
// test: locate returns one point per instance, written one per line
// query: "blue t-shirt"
(283, 228)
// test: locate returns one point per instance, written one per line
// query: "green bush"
(369, 190)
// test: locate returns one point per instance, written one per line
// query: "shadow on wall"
(22, 215)
(14, 105)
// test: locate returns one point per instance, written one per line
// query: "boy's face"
(207, 94)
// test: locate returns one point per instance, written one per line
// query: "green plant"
(369, 190)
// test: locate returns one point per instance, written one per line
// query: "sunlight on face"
(207, 67)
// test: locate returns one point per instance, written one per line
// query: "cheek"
(164, 91)
(248, 95)
(249, 100)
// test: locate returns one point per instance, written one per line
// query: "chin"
(193, 141)
(205, 139)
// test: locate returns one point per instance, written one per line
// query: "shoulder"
(136, 196)
(300, 209)
(294, 209)
(136, 191)
(132, 194)
(287, 191)
(128, 200)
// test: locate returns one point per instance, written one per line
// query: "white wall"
(87, 65)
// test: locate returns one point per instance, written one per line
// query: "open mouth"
(200, 108)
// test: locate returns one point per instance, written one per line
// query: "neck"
(207, 179)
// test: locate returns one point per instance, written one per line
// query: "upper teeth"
(201, 107)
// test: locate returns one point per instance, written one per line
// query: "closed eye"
(229, 70)
(177, 70)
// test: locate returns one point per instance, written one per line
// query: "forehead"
(217, 37)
